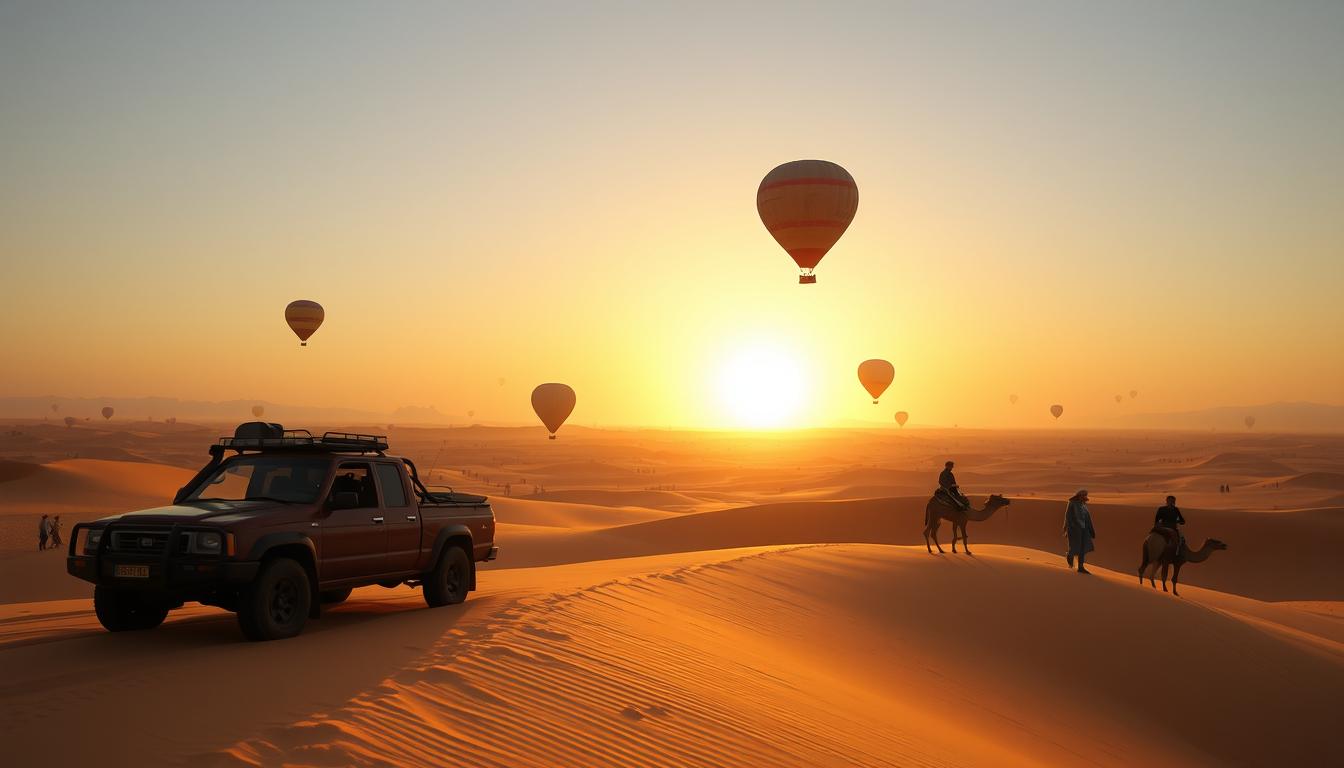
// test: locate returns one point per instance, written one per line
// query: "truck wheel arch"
(455, 535)
(298, 548)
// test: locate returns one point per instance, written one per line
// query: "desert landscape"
(705, 598)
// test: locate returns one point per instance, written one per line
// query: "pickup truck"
(284, 524)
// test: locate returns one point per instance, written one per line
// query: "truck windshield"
(293, 479)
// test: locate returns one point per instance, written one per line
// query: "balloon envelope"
(1012, 399)
(69, 421)
(1118, 398)
(807, 205)
(553, 404)
(1250, 422)
(55, 407)
(107, 412)
(902, 417)
(304, 318)
(1133, 393)
(257, 410)
(876, 376)
(1056, 411)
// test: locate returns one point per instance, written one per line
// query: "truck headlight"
(91, 542)
(207, 543)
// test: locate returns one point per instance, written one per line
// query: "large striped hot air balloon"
(553, 404)
(304, 318)
(876, 376)
(807, 205)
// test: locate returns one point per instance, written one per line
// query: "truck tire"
(276, 605)
(447, 584)
(121, 611)
(335, 596)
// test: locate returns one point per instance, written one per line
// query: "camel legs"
(965, 543)
(932, 531)
(1165, 566)
(1175, 576)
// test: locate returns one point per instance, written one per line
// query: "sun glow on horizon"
(761, 385)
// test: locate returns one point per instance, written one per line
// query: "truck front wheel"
(122, 611)
(447, 584)
(276, 605)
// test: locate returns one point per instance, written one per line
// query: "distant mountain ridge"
(160, 408)
(1270, 417)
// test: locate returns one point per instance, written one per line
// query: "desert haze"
(724, 599)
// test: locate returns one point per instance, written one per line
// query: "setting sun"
(761, 385)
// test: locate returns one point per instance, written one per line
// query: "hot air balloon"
(257, 410)
(1133, 393)
(1118, 398)
(55, 407)
(1056, 411)
(107, 412)
(902, 417)
(471, 414)
(1012, 399)
(69, 421)
(500, 381)
(304, 318)
(1250, 422)
(807, 205)
(553, 404)
(876, 376)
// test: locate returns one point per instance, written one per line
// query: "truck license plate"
(132, 571)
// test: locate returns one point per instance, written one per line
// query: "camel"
(936, 511)
(1155, 554)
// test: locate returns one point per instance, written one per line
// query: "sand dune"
(536, 512)
(652, 499)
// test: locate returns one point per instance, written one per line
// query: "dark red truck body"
(285, 524)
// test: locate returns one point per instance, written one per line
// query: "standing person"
(1078, 527)
(42, 533)
(56, 532)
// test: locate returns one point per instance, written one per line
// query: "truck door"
(354, 541)
(402, 516)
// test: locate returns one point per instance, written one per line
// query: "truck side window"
(389, 477)
(356, 478)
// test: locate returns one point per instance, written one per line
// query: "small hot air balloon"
(1056, 411)
(55, 407)
(1012, 399)
(807, 205)
(1118, 398)
(1250, 422)
(69, 421)
(257, 410)
(553, 404)
(304, 318)
(107, 412)
(500, 381)
(876, 376)
(471, 414)
(902, 417)
(1133, 393)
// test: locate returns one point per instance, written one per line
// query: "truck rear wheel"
(122, 611)
(447, 584)
(276, 605)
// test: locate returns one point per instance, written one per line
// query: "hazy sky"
(1062, 200)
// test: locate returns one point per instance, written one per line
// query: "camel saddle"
(945, 498)
(1173, 542)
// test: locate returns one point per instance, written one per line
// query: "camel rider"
(1168, 518)
(947, 483)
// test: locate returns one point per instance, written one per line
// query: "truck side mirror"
(344, 500)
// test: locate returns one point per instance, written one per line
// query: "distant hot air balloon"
(1056, 411)
(807, 205)
(107, 412)
(257, 410)
(500, 381)
(69, 421)
(1012, 399)
(471, 414)
(553, 404)
(304, 318)
(1250, 422)
(902, 417)
(1133, 393)
(876, 376)
(55, 407)
(1118, 398)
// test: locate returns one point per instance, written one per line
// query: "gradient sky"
(1064, 200)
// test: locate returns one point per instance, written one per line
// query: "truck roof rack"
(303, 440)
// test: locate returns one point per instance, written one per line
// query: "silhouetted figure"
(1168, 521)
(42, 533)
(948, 488)
(56, 532)
(1078, 527)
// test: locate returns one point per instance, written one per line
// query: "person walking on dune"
(42, 533)
(1078, 527)
(56, 532)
